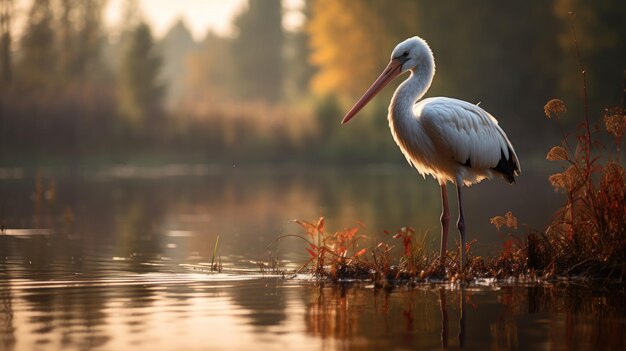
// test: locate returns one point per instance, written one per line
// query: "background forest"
(73, 91)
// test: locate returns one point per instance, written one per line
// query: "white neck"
(412, 90)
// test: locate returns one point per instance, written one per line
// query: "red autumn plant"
(513, 259)
(333, 254)
(509, 245)
(338, 255)
(587, 233)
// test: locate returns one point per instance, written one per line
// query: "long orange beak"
(394, 68)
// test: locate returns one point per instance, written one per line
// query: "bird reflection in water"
(343, 314)
(444, 317)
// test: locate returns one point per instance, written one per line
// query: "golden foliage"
(614, 172)
(341, 46)
(508, 220)
(558, 181)
(554, 107)
(588, 229)
(557, 153)
(568, 180)
(351, 40)
(615, 122)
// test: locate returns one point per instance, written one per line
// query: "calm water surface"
(119, 259)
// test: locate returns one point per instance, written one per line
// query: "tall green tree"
(297, 54)
(257, 50)
(141, 93)
(6, 19)
(66, 32)
(38, 57)
(89, 36)
(79, 31)
(175, 47)
(121, 35)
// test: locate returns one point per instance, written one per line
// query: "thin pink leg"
(461, 225)
(445, 220)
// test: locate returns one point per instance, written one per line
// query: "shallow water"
(120, 259)
(188, 311)
(178, 210)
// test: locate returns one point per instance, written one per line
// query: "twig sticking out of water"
(215, 266)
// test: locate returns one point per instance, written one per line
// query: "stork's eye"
(405, 54)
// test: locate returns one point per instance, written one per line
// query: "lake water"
(120, 259)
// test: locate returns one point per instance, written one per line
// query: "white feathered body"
(450, 139)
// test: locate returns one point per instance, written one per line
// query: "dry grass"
(587, 234)
(338, 256)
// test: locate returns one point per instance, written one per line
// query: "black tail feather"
(508, 168)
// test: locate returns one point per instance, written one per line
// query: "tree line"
(75, 89)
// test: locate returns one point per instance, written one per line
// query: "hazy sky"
(200, 15)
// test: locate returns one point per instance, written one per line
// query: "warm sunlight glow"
(199, 15)
(179, 175)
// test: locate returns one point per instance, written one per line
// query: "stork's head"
(412, 53)
(409, 55)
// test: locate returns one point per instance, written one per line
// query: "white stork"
(450, 139)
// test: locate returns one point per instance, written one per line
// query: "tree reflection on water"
(104, 262)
